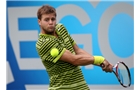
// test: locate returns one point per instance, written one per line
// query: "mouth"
(51, 27)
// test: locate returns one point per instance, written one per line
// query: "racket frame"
(116, 73)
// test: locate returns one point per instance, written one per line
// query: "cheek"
(43, 23)
(54, 22)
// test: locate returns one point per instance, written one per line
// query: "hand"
(106, 66)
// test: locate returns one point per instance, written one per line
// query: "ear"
(39, 21)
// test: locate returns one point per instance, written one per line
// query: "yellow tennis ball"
(54, 52)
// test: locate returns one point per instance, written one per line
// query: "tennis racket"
(121, 71)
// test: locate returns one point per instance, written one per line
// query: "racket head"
(122, 73)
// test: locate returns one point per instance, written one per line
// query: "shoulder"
(60, 26)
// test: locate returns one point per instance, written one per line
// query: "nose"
(50, 21)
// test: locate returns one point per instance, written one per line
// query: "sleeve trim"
(57, 58)
(73, 43)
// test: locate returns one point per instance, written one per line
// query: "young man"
(64, 67)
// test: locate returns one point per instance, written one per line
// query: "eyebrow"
(50, 18)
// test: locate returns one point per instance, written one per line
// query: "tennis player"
(60, 54)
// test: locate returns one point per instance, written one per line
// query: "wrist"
(98, 60)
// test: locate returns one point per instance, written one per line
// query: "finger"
(106, 66)
(110, 68)
(107, 69)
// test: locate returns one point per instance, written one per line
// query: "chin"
(50, 31)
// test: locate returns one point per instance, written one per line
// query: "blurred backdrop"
(100, 27)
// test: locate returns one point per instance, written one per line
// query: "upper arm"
(67, 56)
(44, 49)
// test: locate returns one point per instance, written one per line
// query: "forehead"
(52, 15)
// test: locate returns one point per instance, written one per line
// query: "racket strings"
(123, 75)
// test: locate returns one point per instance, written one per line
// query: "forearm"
(86, 58)
(82, 60)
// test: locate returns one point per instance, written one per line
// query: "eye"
(47, 19)
(53, 19)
